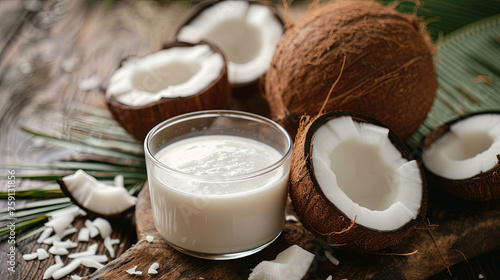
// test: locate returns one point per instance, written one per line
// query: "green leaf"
(468, 70)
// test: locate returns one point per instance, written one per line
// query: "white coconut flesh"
(170, 73)
(469, 148)
(97, 196)
(247, 33)
(364, 175)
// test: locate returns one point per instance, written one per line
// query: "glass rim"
(218, 113)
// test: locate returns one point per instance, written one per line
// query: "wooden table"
(46, 51)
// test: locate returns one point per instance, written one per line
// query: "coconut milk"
(205, 201)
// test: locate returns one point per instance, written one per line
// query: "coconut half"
(353, 183)
(178, 79)
(95, 197)
(246, 31)
(462, 157)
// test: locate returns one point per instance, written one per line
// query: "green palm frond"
(444, 16)
(468, 70)
(104, 151)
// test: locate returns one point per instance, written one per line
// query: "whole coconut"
(388, 74)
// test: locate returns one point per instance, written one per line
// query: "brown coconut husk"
(319, 215)
(139, 120)
(481, 187)
(389, 73)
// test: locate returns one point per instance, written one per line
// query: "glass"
(224, 216)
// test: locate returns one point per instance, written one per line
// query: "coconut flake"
(293, 263)
(68, 244)
(330, 257)
(60, 223)
(97, 258)
(29, 257)
(89, 83)
(50, 240)
(119, 181)
(42, 254)
(58, 250)
(292, 218)
(51, 269)
(153, 269)
(133, 271)
(109, 246)
(65, 270)
(84, 234)
(103, 226)
(68, 231)
(329, 277)
(45, 234)
(76, 277)
(89, 262)
(91, 250)
(92, 229)
(150, 238)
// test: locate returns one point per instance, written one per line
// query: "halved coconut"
(353, 184)
(462, 157)
(96, 197)
(178, 79)
(246, 31)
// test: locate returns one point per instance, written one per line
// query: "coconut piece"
(42, 254)
(58, 250)
(89, 83)
(51, 269)
(246, 31)
(91, 250)
(103, 226)
(68, 244)
(331, 258)
(96, 197)
(352, 182)
(462, 157)
(31, 256)
(60, 223)
(178, 79)
(153, 269)
(50, 240)
(97, 258)
(65, 270)
(133, 271)
(389, 71)
(84, 234)
(75, 277)
(89, 262)
(74, 211)
(119, 181)
(292, 263)
(45, 234)
(93, 231)
(68, 231)
(109, 246)
(150, 238)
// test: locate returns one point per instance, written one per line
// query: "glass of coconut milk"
(218, 182)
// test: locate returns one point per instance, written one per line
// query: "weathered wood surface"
(35, 87)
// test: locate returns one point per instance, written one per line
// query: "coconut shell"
(90, 212)
(139, 120)
(238, 89)
(481, 187)
(389, 72)
(319, 215)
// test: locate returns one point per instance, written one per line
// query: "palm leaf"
(468, 70)
(444, 16)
